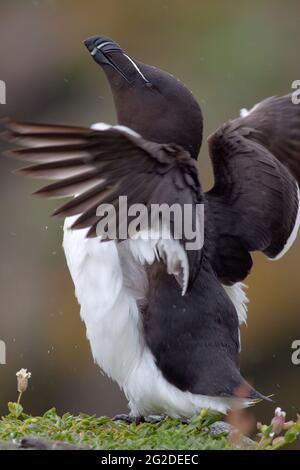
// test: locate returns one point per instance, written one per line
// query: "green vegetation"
(103, 433)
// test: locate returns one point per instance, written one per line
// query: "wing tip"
(25, 171)
(41, 193)
(9, 153)
(59, 212)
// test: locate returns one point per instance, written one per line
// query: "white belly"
(108, 294)
(109, 312)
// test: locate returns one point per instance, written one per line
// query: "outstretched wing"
(254, 204)
(95, 167)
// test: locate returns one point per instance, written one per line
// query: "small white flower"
(22, 377)
(278, 421)
(22, 373)
(280, 413)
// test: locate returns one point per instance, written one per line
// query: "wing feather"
(95, 167)
(255, 200)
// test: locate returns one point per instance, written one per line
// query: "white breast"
(109, 311)
(110, 283)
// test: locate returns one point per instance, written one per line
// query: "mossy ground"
(103, 433)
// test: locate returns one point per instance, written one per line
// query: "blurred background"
(231, 55)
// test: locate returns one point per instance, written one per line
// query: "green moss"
(103, 433)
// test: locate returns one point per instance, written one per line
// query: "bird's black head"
(148, 100)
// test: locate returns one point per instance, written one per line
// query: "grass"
(103, 433)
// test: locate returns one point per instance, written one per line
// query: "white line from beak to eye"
(136, 68)
(94, 51)
(97, 48)
(103, 44)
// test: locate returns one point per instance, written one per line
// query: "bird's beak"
(100, 49)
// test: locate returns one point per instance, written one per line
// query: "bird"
(163, 321)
